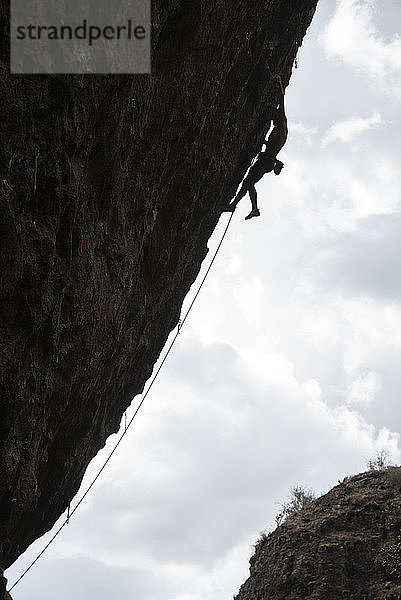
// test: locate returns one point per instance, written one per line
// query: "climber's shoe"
(253, 213)
(230, 208)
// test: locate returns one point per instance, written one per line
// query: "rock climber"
(266, 161)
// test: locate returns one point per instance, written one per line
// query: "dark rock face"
(334, 547)
(109, 190)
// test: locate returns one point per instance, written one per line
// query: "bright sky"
(287, 371)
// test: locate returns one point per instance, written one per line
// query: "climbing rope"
(181, 322)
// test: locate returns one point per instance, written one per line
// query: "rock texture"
(109, 190)
(334, 547)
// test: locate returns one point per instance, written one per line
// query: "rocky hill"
(110, 188)
(342, 545)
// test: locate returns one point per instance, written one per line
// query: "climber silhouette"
(266, 161)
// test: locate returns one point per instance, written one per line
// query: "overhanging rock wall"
(132, 174)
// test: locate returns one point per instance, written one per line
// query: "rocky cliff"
(342, 545)
(110, 187)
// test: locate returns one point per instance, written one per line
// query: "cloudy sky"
(287, 371)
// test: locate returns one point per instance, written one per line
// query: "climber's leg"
(255, 173)
(243, 190)
(254, 200)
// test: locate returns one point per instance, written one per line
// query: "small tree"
(381, 460)
(260, 541)
(299, 498)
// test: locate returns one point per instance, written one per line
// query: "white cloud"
(376, 325)
(364, 388)
(352, 37)
(301, 134)
(344, 131)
